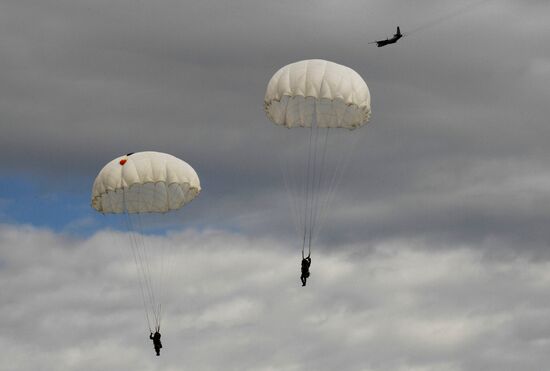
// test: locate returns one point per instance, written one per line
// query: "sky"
(434, 255)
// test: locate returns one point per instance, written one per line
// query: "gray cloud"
(235, 303)
(460, 112)
(434, 255)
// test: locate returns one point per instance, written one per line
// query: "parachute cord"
(117, 241)
(332, 183)
(151, 257)
(146, 249)
(138, 271)
(142, 258)
(291, 197)
(169, 262)
(133, 248)
(319, 190)
(148, 257)
(314, 191)
(329, 186)
(142, 270)
(290, 191)
(338, 175)
(161, 281)
(142, 291)
(160, 317)
(307, 190)
(165, 270)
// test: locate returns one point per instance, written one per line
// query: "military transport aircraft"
(393, 40)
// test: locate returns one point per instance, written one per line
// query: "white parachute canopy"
(138, 183)
(335, 95)
(322, 103)
(144, 182)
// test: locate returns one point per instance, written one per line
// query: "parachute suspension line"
(145, 275)
(138, 273)
(343, 164)
(290, 186)
(140, 281)
(144, 260)
(306, 185)
(165, 271)
(142, 291)
(166, 266)
(314, 190)
(169, 263)
(290, 195)
(140, 249)
(319, 190)
(335, 179)
(146, 248)
(161, 279)
(148, 254)
(330, 187)
(119, 238)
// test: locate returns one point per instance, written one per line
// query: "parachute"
(139, 183)
(321, 103)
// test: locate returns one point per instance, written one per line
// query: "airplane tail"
(398, 31)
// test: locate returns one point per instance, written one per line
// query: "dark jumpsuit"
(306, 262)
(156, 341)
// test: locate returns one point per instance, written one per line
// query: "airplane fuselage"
(393, 40)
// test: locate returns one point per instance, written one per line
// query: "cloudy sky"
(435, 254)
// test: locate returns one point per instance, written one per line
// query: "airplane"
(393, 40)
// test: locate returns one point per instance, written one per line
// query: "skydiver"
(306, 262)
(156, 340)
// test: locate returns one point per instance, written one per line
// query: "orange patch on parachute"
(122, 162)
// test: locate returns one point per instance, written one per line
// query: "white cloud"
(235, 303)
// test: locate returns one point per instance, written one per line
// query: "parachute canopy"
(318, 99)
(333, 95)
(144, 182)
